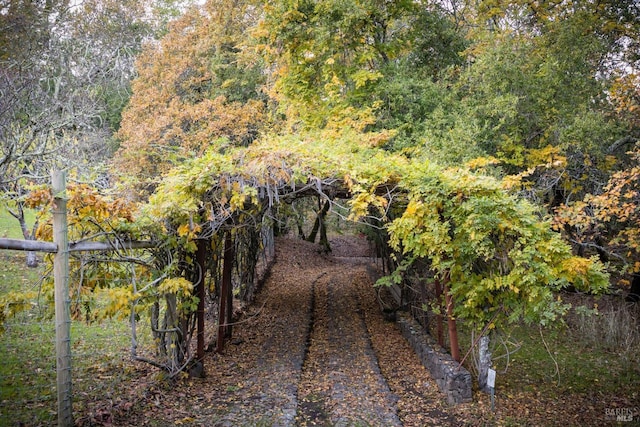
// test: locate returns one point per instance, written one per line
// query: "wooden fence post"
(61, 281)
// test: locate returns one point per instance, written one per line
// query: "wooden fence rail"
(28, 245)
(49, 247)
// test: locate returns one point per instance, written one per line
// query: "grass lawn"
(100, 357)
(100, 352)
(561, 377)
(9, 226)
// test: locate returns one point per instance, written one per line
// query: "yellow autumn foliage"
(177, 286)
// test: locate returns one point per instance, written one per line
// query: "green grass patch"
(594, 349)
(567, 375)
(100, 356)
(28, 371)
(10, 227)
(15, 275)
(568, 366)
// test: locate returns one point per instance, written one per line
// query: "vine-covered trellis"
(490, 255)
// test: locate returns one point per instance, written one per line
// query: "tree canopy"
(462, 127)
(463, 130)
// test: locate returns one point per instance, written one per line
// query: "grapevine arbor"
(499, 261)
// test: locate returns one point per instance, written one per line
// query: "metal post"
(201, 260)
(225, 290)
(61, 283)
(451, 321)
(439, 321)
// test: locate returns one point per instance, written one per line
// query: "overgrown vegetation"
(592, 352)
(492, 146)
(551, 376)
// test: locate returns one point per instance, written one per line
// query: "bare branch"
(621, 142)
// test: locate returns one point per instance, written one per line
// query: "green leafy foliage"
(242, 107)
(330, 53)
(502, 262)
(537, 77)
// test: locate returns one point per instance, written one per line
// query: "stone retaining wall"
(454, 381)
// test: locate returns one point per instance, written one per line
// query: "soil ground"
(315, 350)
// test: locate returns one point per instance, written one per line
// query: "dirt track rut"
(341, 383)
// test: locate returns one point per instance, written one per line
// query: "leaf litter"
(315, 350)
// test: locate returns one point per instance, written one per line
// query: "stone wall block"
(452, 379)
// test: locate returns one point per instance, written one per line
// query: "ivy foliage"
(329, 53)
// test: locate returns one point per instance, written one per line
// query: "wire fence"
(102, 367)
(28, 373)
(28, 351)
(101, 364)
(54, 369)
(105, 376)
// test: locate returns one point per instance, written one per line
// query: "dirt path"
(312, 350)
(341, 382)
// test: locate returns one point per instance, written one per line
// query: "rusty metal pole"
(451, 321)
(201, 260)
(439, 315)
(229, 312)
(225, 289)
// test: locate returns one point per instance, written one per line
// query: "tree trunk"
(228, 329)
(484, 363)
(158, 337)
(324, 240)
(174, 341)
(318, 224)
(201, 259)
(229, 255)
(32, 258)
(314, 231)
